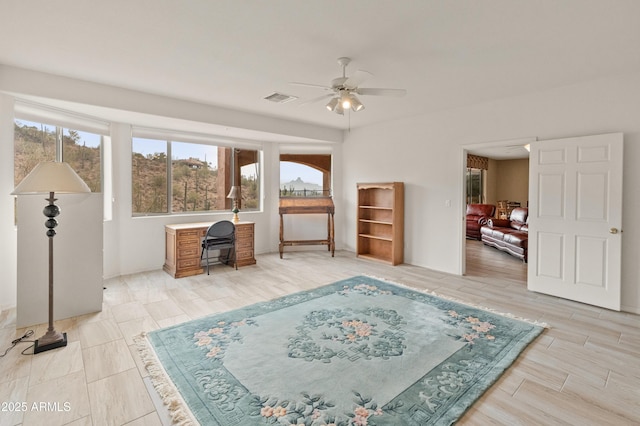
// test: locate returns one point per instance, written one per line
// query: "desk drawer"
(188, 263)
(244, 244)
(244, 231)
(188, 233)
(186, 252)
(189, 243)
(244, 254)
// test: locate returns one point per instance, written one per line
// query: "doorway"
(506, 178)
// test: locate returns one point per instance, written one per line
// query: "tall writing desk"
(308, 205)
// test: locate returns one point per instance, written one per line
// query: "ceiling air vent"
(280, 98)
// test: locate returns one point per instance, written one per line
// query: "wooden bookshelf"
(381, 222)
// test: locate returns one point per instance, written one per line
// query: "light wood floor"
(584, 370)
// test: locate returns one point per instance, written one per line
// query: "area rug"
(361, 351)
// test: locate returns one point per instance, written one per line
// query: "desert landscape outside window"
(174, 177)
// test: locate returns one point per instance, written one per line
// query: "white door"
(575, 216)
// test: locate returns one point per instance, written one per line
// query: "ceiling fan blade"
(381, 92)
(357, 78)
(314, 100)
(317, 86)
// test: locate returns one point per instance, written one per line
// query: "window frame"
(59, 145)
(327, 174)
(170, 137)
(25, 110)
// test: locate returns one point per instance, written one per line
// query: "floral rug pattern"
(345, 327)
(358, 352)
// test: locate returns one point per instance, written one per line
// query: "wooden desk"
(183, 247)
(308, 205)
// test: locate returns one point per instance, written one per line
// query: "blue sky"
(292, 171)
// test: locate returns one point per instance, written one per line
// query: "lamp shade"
(331, 106)
(51, 176)
(233, 194)
(356, 105)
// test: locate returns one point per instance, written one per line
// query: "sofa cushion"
(477, 215)
(481, 209)
(499, 223)
(516, 239)
(519, 217)
(517, 220)
(493, 231)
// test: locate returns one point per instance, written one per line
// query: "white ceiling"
(504, 151)
(233, 53)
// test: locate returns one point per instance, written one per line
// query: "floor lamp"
(51, 177)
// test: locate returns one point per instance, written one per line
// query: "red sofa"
(509, 235)
(477, 215)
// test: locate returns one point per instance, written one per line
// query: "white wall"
(512, 181)
(425, 153)
(77, 258)
(8, 254)
(21, 82)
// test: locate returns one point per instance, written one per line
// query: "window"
(305, 175)
(475, 186)
(149, 176)
(35, 142)
(193, 177)
(249, 179)
(179, 177)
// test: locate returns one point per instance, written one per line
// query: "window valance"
(477, 162)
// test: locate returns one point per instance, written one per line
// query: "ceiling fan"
(344, 90)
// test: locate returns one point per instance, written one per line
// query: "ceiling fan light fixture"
(344, 89)
(345, 100)
(356, 105)
(333, 103)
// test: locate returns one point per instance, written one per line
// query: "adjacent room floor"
(485, 261)
(584, 370)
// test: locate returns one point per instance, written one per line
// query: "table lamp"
(51, 177)
(234, 194)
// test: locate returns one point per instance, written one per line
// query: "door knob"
(613, 230)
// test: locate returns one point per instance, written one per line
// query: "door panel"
(552, 185)
(592, 196)
(576, 198)
(591, 255)
(550, 255)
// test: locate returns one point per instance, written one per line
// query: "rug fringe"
(453, 299)
(180, 414)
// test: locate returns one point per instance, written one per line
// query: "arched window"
(305, 175)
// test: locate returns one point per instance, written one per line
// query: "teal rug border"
(455, 408)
